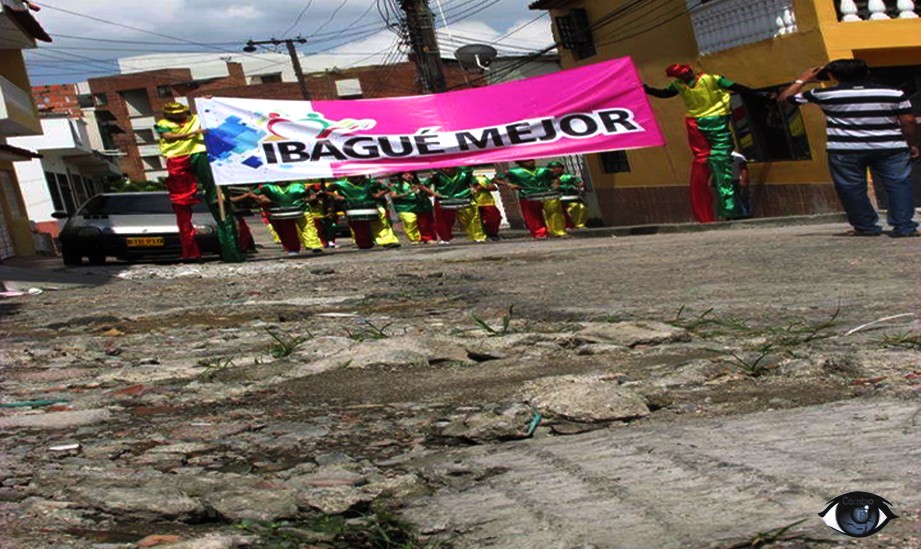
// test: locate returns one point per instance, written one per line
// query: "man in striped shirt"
(869, 126)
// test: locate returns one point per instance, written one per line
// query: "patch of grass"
(285, 344)
(752, 364)
(369, 331)
(213, 366)
(903, 340)
(504, 327)
(802, 331)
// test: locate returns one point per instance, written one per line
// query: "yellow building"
(764, 44)
(18, 117)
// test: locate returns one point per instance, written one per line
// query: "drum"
(543, 197)
(286, 213)
(570, 198)
(362, 212)
(454, 203)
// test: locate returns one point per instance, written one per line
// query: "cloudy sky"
(90, 34)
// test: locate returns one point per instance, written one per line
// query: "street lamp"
(250, 47)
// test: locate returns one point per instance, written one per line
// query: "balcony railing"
(877, 10)
(17, 115)
(723, 24)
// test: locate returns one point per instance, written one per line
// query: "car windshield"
(132, 204)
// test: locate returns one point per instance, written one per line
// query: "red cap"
(678, 70)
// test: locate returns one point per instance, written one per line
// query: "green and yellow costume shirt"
(456, 186)
(181, 147)
(708, 96)
(539, 180)
(483, 197)
(294, 195)
(408, 203)
(570, 184)
(360, 194)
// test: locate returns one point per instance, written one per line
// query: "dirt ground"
(319, 401)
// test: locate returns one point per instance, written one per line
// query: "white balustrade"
(877, 10)
(723, 24)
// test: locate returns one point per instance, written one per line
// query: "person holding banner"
(453, 190)
(540, 203)
(414, 208)
(707, 99)
(182, 143)
(572, 189)
(486, 205)
(367, 217)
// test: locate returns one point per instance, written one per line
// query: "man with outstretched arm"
(869, 126)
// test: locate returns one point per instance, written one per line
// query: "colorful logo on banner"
(252, 141)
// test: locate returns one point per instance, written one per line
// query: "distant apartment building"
(18, 117)
(57, 99)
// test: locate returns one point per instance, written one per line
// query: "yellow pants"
(471, 224)
(381, 229)
(307, 233)
(411, 226)
(577, 214)
(553, 217)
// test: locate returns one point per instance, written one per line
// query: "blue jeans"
(893, 170)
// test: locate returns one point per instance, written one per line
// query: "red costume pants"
(186, 231)
(533, 213)
(286, 229)
(426, 222)
(492, 218)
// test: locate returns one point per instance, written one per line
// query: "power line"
(298, 19)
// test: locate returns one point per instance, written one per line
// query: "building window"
(274, 78)
(164, 92)
(349, 89)
(100, 99)
(615, 162)
(85, 101)
(768, 131)
(576, 33)
(53, 190)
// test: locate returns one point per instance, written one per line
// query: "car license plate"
(146, 242)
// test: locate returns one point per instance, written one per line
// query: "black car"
(130, 226)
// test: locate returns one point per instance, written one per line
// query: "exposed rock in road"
(506, 422)
(590, 399)
(631, 334)
(55, 420)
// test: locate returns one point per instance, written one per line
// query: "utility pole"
(292, 51)
(420, 26)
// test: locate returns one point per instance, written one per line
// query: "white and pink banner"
(596, 108)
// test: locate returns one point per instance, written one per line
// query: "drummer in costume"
(287, 209)
(572, 189)
(367, 217)
(540, 203)
(486, 205)
(707, 99)
(414, 208)
(453, 191)
(182, 142)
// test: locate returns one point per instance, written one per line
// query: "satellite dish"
(476, 55)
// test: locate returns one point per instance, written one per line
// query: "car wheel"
(71, 258)
(96, 259)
